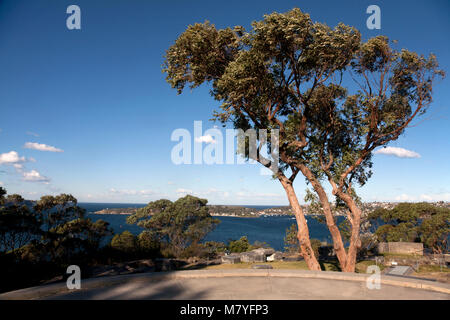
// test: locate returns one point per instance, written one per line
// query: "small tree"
(125, 242)
(65, 231)
(177, 224)
(292, 245)
(332, 97)
(434, 232)
(291, 240)
(241, 245)
(79, 238)
(418, 222)
(147, 242)
(18, 225)
(54, 211)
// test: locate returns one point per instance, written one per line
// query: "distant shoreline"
(252, 212)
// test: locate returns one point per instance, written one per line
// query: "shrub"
(147, 242)
(240, 245)
(125, 242)
(316, 244)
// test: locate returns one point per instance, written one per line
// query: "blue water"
(271, 230)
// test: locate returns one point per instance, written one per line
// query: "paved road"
(238, 284)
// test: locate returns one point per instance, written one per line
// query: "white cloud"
(11, 158)
(35, 176)
(405, 197)
(424, 197)
(206, 139)
(146, 192)
(183, 191)
(435, 197)
(41, 147)
(126, 192)
(257, 195)
(32, 134)
(212, 192)
(170, 183)
(18, 166)
(398, 152)
(1, 183)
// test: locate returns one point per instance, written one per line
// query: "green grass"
(299, 265)
(293, 265)
(361, 266)
(429, 268)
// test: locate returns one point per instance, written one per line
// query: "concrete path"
(239, 284)
(400, 271)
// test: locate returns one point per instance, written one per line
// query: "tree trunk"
(303, 231)
(355, 241)
(338, 244)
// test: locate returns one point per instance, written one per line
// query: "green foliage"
(316, 244)
(125, 242)
(201, 53)
(66, 235)
(345, 229)
(407, 212)
(260, 244)
(176, 224)
(422, 222)
(258, 75)
(2, 195)
(38, 242)
(215, 247)
(241, 245)
(434, 232)
(290, 240)
(405, 232)
(148, 242)
(333, 97)
(82, 236)
(18, 225)
(292, 245)
(54, 211)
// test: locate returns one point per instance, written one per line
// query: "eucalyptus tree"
(18, 225)
(177, 224)
(65, 229)
(333, 97)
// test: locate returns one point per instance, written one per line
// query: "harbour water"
(269, 229)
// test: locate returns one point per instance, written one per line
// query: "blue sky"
(99, 97)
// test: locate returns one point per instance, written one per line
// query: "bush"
(241, 245)
(147, 242)
(125, 242)
(291, 240)
(259, 244)
(316, 244)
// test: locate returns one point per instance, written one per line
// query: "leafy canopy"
(178, 223)
(333, 97)
(420, 222)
